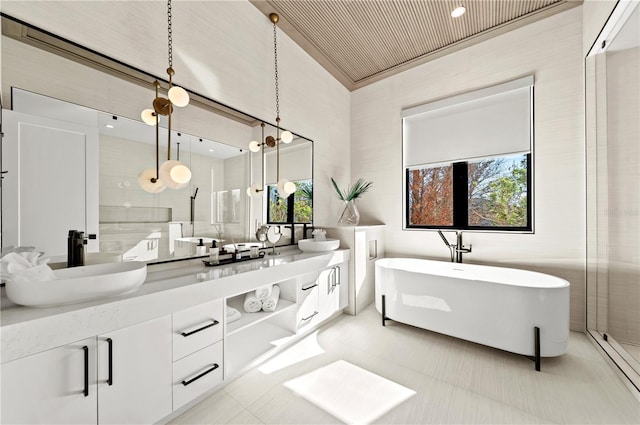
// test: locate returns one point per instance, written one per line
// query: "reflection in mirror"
(130, 223)
(135, 224)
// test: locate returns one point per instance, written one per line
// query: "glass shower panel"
(613, 194)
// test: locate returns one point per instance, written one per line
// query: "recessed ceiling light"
(210, 150)
(458, 11)
(108, 126)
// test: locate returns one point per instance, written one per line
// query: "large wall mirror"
(99, 145)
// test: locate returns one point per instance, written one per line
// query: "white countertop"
(168, 288)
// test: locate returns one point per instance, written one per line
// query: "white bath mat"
(350, 393)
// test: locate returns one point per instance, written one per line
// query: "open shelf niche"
(255, 335)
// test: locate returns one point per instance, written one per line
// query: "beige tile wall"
(550, 50)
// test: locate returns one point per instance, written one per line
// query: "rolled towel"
(251, 303)
(271, 302)
(232, 314)
(264, 292)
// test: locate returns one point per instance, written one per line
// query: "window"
(467, 160)
(491, 193)
(297, 208)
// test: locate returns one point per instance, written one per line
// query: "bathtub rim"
(563, 283)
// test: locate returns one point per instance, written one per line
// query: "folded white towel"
(271, 302)
(232, 314)
(251, 303)
(25, 266)
(264, 292)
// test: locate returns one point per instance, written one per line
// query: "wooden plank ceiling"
(363, 41)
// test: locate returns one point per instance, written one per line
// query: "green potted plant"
(350, 215)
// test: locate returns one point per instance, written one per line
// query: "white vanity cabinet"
(308, 300)
(197, 351)
(120, 377)
(57, 386)
(321, 294)
(134, 373)
(333, 290)
(366, 243)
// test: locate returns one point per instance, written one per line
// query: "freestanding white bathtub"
(494, 306)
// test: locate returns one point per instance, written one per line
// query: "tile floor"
(450, 382)
(633, 350)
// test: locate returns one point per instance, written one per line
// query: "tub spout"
(456, 250)
(459, 247)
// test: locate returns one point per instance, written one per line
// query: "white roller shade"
(489, 122)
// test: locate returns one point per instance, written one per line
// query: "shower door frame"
(597, 257)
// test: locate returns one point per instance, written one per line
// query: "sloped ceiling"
(362, 41)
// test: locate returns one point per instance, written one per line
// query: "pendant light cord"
(275, 61)
(170, 72)
(170, 35)
(275, 57)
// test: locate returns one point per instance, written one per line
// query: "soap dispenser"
(200, 248)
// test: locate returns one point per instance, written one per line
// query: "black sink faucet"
(75, 248)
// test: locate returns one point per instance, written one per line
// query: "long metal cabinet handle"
(86, 371)
(110, 378)
(215, 366)
(307, 318)
(338, 275)
(309, 287)
(215, 322)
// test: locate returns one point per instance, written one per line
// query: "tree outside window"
(297, 208)
(491, 193)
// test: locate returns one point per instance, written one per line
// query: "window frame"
(461, 201)
(530, 152)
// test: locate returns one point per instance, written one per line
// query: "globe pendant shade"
(178, 96)
(144, 179)
(174, 174)
(254, 190)
(286, 137)
(254, 146)
(148, 116)
(285, 188)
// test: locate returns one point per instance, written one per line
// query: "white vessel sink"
(79, 284)
(313, 245)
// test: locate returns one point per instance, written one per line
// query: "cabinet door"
(134, 373)
(329, 292)
(57, 386)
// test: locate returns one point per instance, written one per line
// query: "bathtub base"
(536, 336)
(536, 356)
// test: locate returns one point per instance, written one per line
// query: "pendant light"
(285, 187)
(172, 173)
(256, 188)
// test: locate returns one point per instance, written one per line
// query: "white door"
(134, 373)
(57, 386)
(51, 184)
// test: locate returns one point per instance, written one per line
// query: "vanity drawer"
(196, 374)
(308, 304)
(196, 328)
